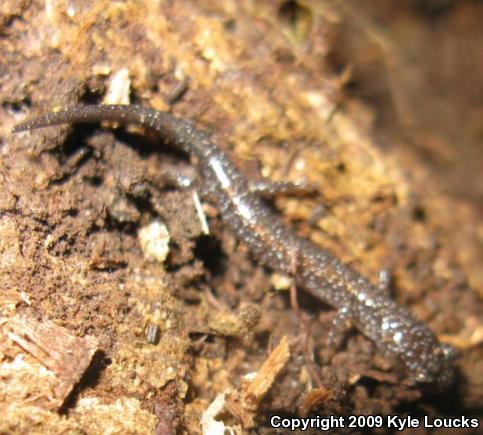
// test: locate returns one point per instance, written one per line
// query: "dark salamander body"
(393, 329)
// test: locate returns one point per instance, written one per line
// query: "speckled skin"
(393, 329)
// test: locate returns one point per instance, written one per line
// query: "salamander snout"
(436, 367)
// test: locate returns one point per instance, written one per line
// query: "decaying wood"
(57, 349)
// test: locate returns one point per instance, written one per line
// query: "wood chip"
(254, 391)
(244, 404)
(57, 349)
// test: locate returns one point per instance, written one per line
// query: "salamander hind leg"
(177, 180)
(268, 189)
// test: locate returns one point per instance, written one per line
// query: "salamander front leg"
(341, 324)
(384, 281)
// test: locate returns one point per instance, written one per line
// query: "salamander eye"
(447, 351)
(423, 377)
(444, 352)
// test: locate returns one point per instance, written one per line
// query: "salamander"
(394, 330)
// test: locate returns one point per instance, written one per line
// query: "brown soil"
(277, 83)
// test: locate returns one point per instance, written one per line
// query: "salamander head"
(407, 339)
(438, 370)
(429, 362)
